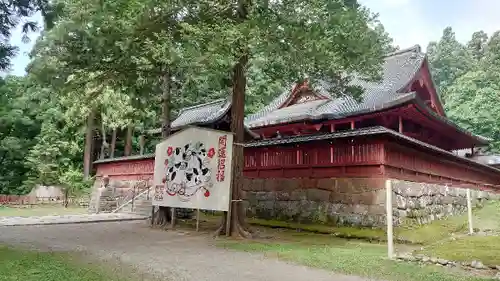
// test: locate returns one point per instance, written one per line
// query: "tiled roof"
(399, 69)
(201, 114)
(198, 114)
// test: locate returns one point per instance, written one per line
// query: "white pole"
(388, 207)
(469, 211)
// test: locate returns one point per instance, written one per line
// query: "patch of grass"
(370, 234)
(432, 232)
(468, 248)
(348, 257)
(304, 244)
(484, 219)
(36, 266)
(40, 210)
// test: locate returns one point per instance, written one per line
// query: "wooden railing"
(319, 159)
(449, 168)
(376, 156)
(370, 157)
(318, 154)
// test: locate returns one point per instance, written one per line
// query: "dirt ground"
(168, 255)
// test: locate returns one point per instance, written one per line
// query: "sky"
(408, 22)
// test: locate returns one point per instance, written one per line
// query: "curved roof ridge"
(413, 49)
(201, 105)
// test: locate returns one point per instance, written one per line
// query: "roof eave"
(335, 116)
(420, 103)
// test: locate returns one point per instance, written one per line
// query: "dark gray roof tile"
(203, 113)
(398, 71)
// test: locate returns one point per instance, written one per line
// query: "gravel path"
(71, 219)
(169, 255)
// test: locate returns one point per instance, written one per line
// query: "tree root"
(161, 218)
(237, 228)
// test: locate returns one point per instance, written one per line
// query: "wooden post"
(400, 125)
(353, 126)
(332, 129)
(388, 207)
(469, 212)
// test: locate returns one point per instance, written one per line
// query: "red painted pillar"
(353, 126)
(332, 129)
(400, 125)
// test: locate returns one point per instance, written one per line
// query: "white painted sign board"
(193, 170)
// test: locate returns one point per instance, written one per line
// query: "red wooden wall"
(369, 157)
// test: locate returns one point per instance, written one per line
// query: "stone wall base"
(117, 192)
(107, 198)
(421, 203)
(354, 201)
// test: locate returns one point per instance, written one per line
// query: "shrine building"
(315, 156)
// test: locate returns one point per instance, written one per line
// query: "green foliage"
(467, 76)
(18, 129)
(14, 12)
(287, 41)
(73, 183)
(449, 60)
(474, 103)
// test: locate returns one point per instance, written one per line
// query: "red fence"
(313, 154)
(316, 159)
(16, 199)
(369, 157)
(366, 157)
(403, 162)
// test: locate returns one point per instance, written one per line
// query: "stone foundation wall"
(331, 201)
(107, 197)
(421, 203)
(353, 201)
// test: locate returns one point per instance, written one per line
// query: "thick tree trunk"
(128, 141)
(237, 225)
(113, 144)
(89, 137)
(163, 216)
(233, 222)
